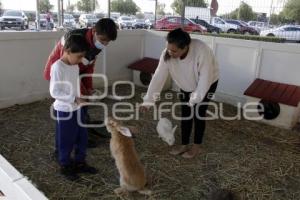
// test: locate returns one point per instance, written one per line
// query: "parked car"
(259, 26)
(210, 28)
(243, 27)
(43, 22)
(14, 19)
(139, 24)
(224, 26)
(87, 20)
(170, 23)
(69, 21)
(125, 22)
(149, 23)
(289, 32)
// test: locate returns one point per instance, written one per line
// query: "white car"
(224, 26)
(125, 22)
(69, 21)
(259, 26)
(288, 32)
(149, 23)
(87, 20)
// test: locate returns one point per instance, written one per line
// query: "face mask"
(98, 44)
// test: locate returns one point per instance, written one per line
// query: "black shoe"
(69, 173)
(83, 167)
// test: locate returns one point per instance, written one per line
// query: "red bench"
(280, 101)
(143, 71)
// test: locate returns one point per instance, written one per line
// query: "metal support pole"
(183, 13)
(155, 14)
(62, 12)
(37, 15)
(108, 10)
(58, 13)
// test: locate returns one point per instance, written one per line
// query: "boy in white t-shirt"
(64, 88)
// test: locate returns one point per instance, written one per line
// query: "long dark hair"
(178, 37)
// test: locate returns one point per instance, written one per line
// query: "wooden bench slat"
(287, 95)
(253, 87)
(146, 64)
(278, 92)
(274, 92)
(261, 89)
(272, 87)
(294, 100)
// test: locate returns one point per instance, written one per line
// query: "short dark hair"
(76, 43)
(178, 37)
(107, 27)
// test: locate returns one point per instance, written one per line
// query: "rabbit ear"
(125, 131)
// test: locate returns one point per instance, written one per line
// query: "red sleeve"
(87, 82)
(54, 56)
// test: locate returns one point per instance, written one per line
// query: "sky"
(225, 6)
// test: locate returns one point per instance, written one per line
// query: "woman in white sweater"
(193, 67)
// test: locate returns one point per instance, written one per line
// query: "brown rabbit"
(131, 170)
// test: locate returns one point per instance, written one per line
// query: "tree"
(45, 6)
(87, 5)
(278, 19)
(245, 12)
(231, 15)
(70, 8)
(0, 7)
(140, 15)
(291, 10)
(177, 4)
(124, 7)
(160, 9)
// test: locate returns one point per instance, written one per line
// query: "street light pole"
(270, 12)
(155, 14)
(183, 13)
(108, 10)
(58, 13)
(37, 17)
(62, 12)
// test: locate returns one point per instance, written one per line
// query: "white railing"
(15, 186)
(23, 56)
(241, 61)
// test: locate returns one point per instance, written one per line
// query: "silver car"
(87, 20)
(288, 32)
(69, 21)
(125, 22)
(14, 19)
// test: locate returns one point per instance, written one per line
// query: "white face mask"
(98, 44)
